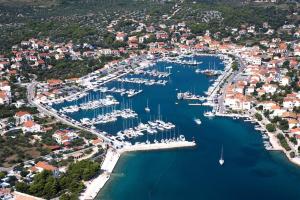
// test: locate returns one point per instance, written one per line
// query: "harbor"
(191, 120)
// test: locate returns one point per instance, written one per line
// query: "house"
(22, 116)
(277, 111)
(288, 103)
(292, 123)
(4, 64)
(267, 105)
(162, 35)
(285, 81)
(295, 132)
(120, 36)
(4, 98)
(150, 29)
(54, 83)
(41, 166)
(238, 102)
(270, 88)
(64, 136)
(31, 127)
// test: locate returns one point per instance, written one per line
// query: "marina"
(137, 133)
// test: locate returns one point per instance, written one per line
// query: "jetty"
(158, 146)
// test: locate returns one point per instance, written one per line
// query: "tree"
(22, 187)
(65, 197)
(271, 127)
(286, 64)
(258, 116)
(51, 188)
(235, 66)
(293, 140)
(283, 124)
(24, 173)
(2, 175)
(283, 142)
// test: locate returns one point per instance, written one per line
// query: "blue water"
(249, 172)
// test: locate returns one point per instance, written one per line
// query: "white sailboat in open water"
(221, 161)
(147, 109)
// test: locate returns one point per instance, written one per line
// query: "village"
(263, 84)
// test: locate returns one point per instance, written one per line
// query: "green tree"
(283, 124)
(22, 187)
(51, 188)
(235, 66)
(2, 175)
(258, 116)
(271, 127)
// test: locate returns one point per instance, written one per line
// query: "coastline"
(276, 146)
(93, 187)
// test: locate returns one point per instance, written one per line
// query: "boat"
(147, 109)
(197, 121)
(221, 161)
(179, 96)
(209, 114)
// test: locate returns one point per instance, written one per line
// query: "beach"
(94, 186)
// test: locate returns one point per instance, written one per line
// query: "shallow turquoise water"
(249, 172)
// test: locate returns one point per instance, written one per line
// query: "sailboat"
(147, 109)
(221, 161)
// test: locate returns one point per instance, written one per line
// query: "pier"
(158, 146)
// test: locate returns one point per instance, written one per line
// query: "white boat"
(147, 109)
(181, 138)
(209, 114)
(221, 161)
(197, 121)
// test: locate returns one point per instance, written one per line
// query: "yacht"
(197, 121)
(209, 114)
(221, 161)
(147, 109)
(181, 138)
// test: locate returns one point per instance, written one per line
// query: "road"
(232, 78)
(30, 98)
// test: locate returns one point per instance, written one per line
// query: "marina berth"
(110, 117)
(143, 81)
(180, 60)
(189, 96)
(90, 105)
(151, 127)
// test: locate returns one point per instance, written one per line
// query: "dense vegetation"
(10, 111)
(283, 142)
(70, 184)
(271, 127)
(258, 116)
(86, 21)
